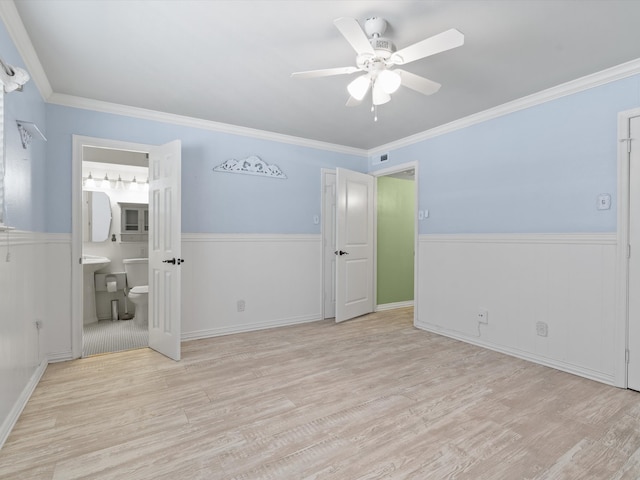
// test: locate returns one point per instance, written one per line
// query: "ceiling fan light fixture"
(389, 81)
(359, 87)
(380, 97)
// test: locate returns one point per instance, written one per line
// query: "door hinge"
(626, 356)
(628, 251)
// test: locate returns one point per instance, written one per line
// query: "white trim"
(563, 366)
(622, 241)
(17, 32)
(153, 115)
(531, 238)
(249, 327)
(568, 88)
(416, 233)
(383, 172)
(250, 237)
(393, 306)
(10, 238)
(78, 141)
(323, 183)
(574, 86)
(21, 402)
(55, 357)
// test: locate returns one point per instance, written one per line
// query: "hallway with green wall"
(395, 240)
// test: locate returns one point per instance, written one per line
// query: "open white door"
(165, 249)
(354, 244)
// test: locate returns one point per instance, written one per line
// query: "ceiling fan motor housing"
(383, 46)
(375, 28)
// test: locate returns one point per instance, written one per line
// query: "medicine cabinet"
(134, 222)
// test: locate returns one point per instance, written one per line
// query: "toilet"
(137, 270)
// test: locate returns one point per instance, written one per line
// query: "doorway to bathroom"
(162, 296)
(115, 236)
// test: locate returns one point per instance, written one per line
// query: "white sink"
(94, 262)
(90, 263)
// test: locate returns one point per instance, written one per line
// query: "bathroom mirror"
(100, 216)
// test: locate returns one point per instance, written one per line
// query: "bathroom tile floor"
(107, 336)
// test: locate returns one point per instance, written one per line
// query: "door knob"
(341, 252)
(172, 261)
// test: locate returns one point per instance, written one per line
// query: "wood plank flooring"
(372, 398)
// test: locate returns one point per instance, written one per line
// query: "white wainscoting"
(22, 357)
(565, 280)
(58, 297)
(279, 277)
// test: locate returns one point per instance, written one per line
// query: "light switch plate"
(604, 201)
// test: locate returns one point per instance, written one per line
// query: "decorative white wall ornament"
(252, 165)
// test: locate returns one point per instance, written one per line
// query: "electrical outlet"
(542, 329)
(241, 305)
(483, 316)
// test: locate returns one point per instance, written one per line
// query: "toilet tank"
(137, 270)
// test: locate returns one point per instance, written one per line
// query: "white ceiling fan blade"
(327, 72)
(352, 102)
(350, 28)
(418, 83)
(438, 43)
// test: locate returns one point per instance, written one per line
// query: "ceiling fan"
(377, 56)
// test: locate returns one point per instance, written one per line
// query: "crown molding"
(171, 118)
(574, 86)
(11, 18)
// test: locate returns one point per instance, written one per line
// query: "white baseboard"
(393, 306)
(547, 362)
(60, 356)
(248, 327)
(21, 402)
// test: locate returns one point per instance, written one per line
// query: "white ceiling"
(230, 61)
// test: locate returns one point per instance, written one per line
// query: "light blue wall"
(20, 351)
(538, 170)
(24, 169)
(211, 202)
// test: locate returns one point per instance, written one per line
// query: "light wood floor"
(372, 398)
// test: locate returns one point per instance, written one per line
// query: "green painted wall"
(396, 205)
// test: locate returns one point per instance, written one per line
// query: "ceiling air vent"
(384, 157)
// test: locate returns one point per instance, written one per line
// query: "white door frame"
(621, 328)
(383, 173)
(80, 141)
(323, 216)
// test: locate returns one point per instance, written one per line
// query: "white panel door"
(633, 372)
(354, 244)
(165, 249)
